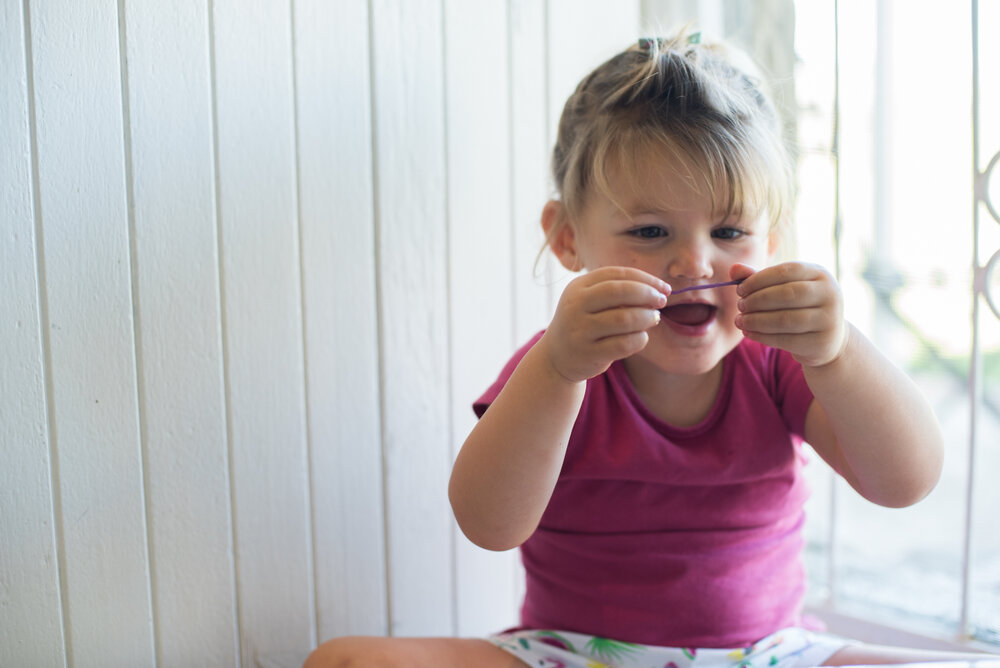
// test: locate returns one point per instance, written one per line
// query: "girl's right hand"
(601, 317)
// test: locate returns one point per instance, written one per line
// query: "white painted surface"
(262, 325)
(100, 509)
(411, 204)
(480, 244)
(258, 258)
(530, 153)
(29, 576)
(178, 339)
(582, 34)
(340, 314)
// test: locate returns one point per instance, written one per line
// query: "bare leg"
(376, 652)
(884, 654)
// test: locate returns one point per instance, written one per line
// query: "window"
(886, 199)
(896, 164)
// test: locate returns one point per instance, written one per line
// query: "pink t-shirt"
(680, 537)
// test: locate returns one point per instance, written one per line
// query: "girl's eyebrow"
(642, 209)
(639, 208)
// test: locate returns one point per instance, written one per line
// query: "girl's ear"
(560, 235)
(773, 243)
(776, 241)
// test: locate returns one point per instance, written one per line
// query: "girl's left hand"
(793, 306)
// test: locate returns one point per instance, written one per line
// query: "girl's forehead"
(658, 181)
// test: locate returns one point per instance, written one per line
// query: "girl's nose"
(691, 261)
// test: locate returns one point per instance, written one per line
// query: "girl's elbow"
(920, 478)
(909, 492)
(490, 540)
(494, 541)
(902, 499)
(472, 527)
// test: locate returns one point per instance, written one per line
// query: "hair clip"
(647, 43)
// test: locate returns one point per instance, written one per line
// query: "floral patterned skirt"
(789, 648)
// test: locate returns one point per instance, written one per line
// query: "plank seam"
(44, 325)
(143, 445)
(307, 423)
(449, 359)
(379, 324)
(224, 356)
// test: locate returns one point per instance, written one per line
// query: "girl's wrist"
(840, 355)
(550, 367)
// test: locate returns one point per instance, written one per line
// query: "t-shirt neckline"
(619, 376)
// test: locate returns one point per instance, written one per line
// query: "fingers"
(778, 275)
(797, 321)
(618, 294)
(618, 301)
(623, 345)
(796, 307)
(616, 307)
(624, 274)
(618, 321)
(789, 287)
(603, 316)
(741, 271)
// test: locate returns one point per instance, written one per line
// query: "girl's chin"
(684, 365)
(686, 355)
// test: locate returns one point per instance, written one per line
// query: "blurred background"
(257, 258)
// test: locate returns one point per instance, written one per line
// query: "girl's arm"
(873, 426)
(868, 421)
(508, 466)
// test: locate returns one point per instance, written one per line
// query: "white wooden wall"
(257, 257)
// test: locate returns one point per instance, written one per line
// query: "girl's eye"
(649, 232)
(727, 233)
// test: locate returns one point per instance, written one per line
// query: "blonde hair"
(688, 102)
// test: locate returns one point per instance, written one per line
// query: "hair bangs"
(739, 183)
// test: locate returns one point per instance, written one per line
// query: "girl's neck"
(679, 400)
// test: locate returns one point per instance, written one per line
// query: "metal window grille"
(868, 70)
(946, 586)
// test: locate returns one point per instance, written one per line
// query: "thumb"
(739, 271)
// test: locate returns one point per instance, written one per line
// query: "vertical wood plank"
(30, 611)
(412, 238)
(480, 239)
(530, 156)
(79, 113)
(181, 393)
(582, 35)
(338, 258)
(262, 332)
(531, 184)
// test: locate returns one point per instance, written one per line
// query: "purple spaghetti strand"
(707, 286)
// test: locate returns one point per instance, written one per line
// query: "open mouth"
(691, 314)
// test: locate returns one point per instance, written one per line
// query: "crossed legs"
(374, 652)
(378, 652)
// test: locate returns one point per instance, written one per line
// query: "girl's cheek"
(752, 256)
(752, 250)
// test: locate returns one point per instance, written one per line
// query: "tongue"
(688, 314)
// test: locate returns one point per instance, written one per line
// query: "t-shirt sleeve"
(482, 403)
(790, 390)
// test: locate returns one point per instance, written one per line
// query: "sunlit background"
(878, 98)
(897, 163)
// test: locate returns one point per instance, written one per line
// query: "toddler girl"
(645, 450)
